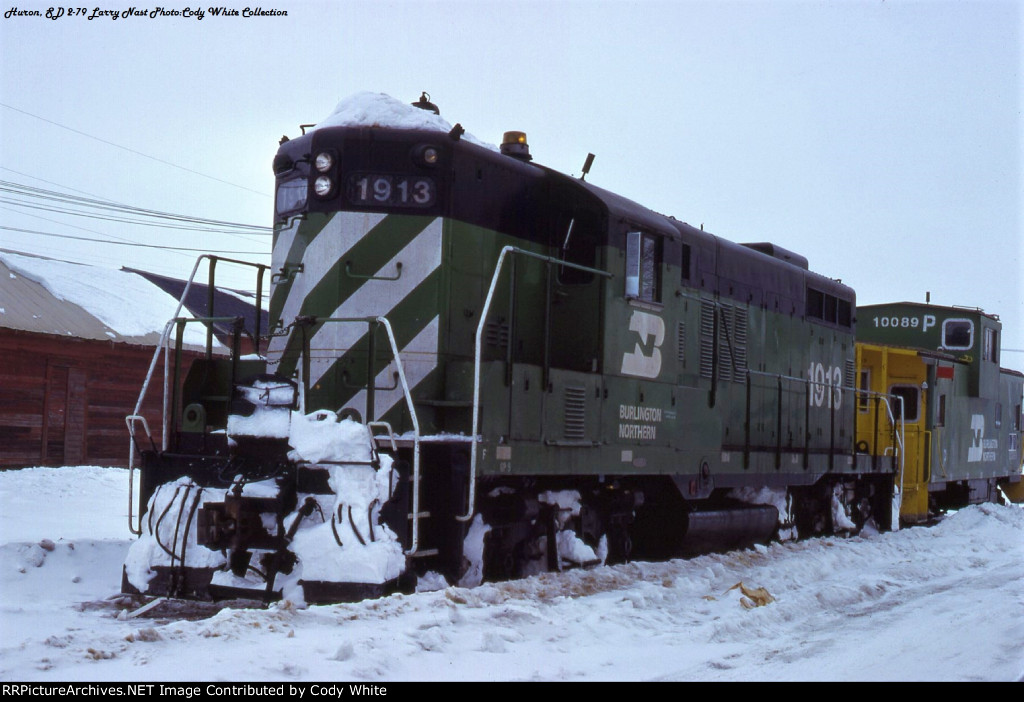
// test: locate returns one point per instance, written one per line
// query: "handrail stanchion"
(478, 349)
(162, 347)
(371, 323)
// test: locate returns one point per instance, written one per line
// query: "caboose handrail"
(478, 350)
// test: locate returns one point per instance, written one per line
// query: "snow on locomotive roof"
(367, 109)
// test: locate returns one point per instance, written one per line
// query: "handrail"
(414, 544)
(884, 397)
(359, 276)
(898, 436)
(164, 340)
(927, 435)
(478, 350)
(130, 421)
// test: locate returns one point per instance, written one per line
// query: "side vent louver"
(739, 342)
(732, 341)
(707, 338)
(849, 373)
(575, 413)
(496, 334)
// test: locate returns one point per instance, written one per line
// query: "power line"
(25, 198)
(59, 185)
(133, 151)
(84, 229)
(120, 220)
(64, 224)
(32, 191)
(131, 243)
(21, 190)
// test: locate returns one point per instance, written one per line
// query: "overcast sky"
(882, 140)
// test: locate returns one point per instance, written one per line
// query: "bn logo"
(976, 449)
(644, 361)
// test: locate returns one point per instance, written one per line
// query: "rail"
(136, 414)
(478, 350)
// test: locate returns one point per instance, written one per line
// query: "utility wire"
(131, 243)
(92, 231)
(120, 220)
(133, 151)
(21, 190)
(59, 185)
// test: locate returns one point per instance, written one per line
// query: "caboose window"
(958, 334)
(291, 195)
(911, 395)
(643, 266)
(991, 351)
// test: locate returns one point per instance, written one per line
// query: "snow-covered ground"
(939, 603)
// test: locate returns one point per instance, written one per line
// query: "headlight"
(323, 186)
(426, 155)
(323, 162)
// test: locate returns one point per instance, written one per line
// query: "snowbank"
(887, 606)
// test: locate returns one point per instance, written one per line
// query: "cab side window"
(643, 266)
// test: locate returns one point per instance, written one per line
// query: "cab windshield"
(291, 195)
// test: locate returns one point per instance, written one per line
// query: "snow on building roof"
(47, 296)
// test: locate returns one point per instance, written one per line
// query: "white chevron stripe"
(339, 235)
(418, 359)
(420, 258)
